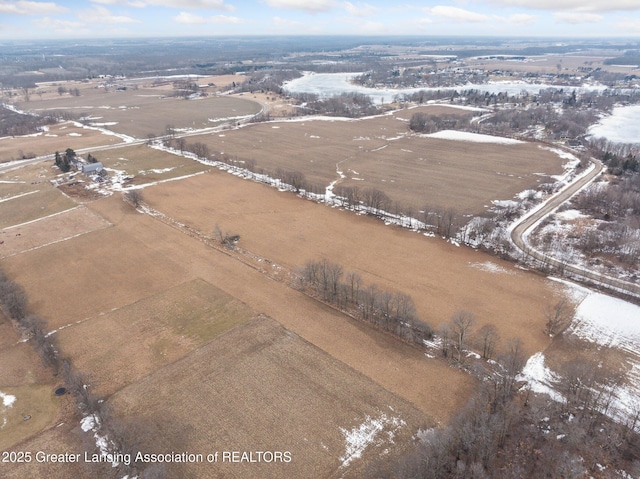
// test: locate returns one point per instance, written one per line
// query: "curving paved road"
(528, 223)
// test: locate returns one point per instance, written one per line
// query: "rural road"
(528, 223)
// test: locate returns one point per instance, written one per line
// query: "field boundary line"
(19, 196)
(42, 218)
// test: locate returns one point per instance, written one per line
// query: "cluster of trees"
(391, 311)
(425, 123)
(71, 91)
(618, 204)
(184, 88)
(505, 432)
(419, 75)
(266, 81)
(350, 105)
(17, 124)
(64, 161)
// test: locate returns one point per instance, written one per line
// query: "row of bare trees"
(14, 306)
(394, 312)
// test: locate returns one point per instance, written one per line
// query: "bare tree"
(134, 197)
(487, 339)
(181, 143)
(461, 324)
(558, 317)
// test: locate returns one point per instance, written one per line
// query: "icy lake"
(622, 126)
(330, 84)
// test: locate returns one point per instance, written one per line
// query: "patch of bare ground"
(439, 276)
(123, 346)
(383, 153)
(51, 229)
(59, 137)
(260, 387)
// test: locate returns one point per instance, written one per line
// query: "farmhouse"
(92, 168)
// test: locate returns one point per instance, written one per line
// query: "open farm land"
(32, 417)
(158, 258)
(383, 153)
(58, 137)
(23, 200)
(146, 111)
(146, 295)
(141, 165)
(27, 403)
(262, 388)
(150, 333)
(440, 277)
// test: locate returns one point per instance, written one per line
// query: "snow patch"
(540, 378)
(360, 437)
(7, 399)
(472, 137)
(490, 267)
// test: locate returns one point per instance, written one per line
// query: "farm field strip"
(48, 230)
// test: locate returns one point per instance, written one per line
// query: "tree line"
(393, 312)
(118, 434)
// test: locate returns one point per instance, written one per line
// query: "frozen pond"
(622, 126)
(331, 84)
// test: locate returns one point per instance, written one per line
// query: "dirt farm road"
(528, 223)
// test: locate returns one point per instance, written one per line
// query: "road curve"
(528, 223)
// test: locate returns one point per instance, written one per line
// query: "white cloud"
(190, 4)
(628, 26)
(360, 9)
(576, 18)
(226, 19)
(191, 19)
(521, 19)
(575, 5)
(312, 6)
(59, 26)
(286, 22)
(127, 3)
(23, 7)
(456, 14)
(101, 15)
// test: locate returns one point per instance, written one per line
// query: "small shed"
(92, 168)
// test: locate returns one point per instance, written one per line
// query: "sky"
(32, 19)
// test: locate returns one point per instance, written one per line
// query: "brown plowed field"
(382, 152)
(145, 111)
(206, 352)
(262, 388)
(59, 137)
(440, 277)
